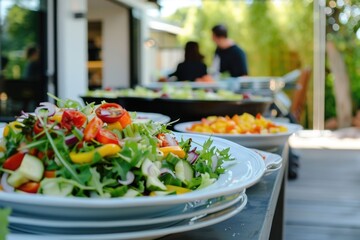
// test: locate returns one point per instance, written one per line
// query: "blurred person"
(193, 67)
(4, 62)
(229, 57)
(32, 69)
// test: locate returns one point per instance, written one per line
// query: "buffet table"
(262, 218)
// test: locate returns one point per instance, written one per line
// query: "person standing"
(193, 67)
(32, 69)
(229, 57)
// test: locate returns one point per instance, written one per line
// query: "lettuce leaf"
(4, 222)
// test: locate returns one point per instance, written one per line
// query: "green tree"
(21, 28)
(343, 28)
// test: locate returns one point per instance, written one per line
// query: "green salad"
(168, 91)
(101, 151)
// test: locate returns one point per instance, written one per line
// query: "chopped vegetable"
(177, 150)
(92, 129)
(110, 112)
(97, 151)
(104, 151)
(238, 124)
(14, 161)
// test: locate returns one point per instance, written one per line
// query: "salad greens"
(4, 214)
(168, 91)
(100, 151)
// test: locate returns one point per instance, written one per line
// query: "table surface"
(255, 221)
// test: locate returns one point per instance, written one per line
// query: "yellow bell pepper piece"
(87, 157)
(15, 126)
(177, 150)
(115, 125)
(57, 117)
(178, 190)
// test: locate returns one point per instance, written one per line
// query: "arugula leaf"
(185, 144)
(121, 167)
(68, 103)
(59, 143)
(116, 192)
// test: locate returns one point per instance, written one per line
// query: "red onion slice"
(192, 156)
(71, 139)
(129, 178)
(6, 187)
(51, 108)
(105, 112)
(166, 170)
(170, 140)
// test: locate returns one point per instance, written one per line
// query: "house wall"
(115, 41)
(72, 49)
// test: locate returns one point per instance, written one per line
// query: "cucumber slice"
(154, 184)
(53, 188)
(184, 171)
(149, 169)
(131, 193)
(16, 179)
(32, 168)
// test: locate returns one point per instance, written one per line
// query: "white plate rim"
(223, 204)
(272, 160)
(73, 202)
(141, 234)
(156, 117)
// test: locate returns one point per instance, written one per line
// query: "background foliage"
(20, 30)
(343, 28)
(278, 37)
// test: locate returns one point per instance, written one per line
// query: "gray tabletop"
(262, 218)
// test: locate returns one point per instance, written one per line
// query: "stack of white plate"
(44, 217)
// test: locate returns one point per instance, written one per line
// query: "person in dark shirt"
(229, 57)
(192, 67)
(32, 69)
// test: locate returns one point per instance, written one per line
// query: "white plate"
(273, 162)
(185, 225)
(262, 141)
(156, 117)
(245, 171)
(113, 226)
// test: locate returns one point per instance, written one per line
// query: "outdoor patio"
(322, 203)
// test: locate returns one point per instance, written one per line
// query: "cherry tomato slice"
(92, 129)
(14, 161)
(106, 136)
(29, 187)
(37, 127)
(125, 119)
(50, 174)
(72, 117)
(109, 112)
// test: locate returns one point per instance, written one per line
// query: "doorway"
(24, 56)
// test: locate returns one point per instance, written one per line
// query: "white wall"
(72, 49)
(115, 41)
